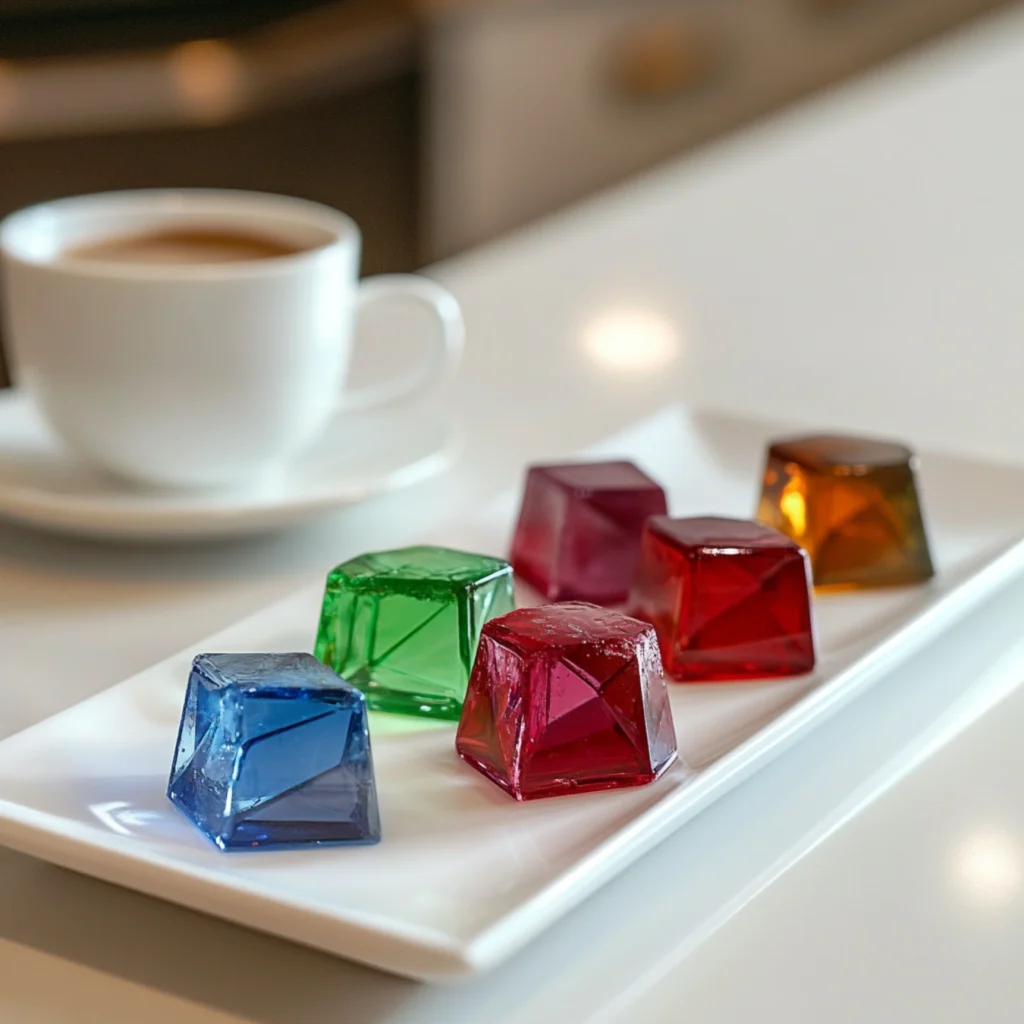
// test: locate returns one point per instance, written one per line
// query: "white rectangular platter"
(464, 875)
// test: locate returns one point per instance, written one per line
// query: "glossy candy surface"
(403, 625)
(729, 598)
(273, 750)
(853, 505)
(566, 698)
(578, 534)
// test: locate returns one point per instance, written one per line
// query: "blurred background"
(437, 124)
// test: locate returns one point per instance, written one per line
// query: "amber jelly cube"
(852, 503)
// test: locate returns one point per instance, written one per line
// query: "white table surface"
(857, 262)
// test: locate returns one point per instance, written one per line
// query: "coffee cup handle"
(445, 348)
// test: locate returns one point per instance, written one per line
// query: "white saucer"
(360, 455)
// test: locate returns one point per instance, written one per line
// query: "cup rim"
(341, 230)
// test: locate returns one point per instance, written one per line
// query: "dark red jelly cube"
(566, 698)
(729, 598)
(578, 536)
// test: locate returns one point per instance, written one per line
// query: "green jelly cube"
(403, 625)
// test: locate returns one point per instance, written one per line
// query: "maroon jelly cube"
(566, 698)
(578, 536)
(729, 598)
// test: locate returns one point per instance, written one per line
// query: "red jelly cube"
(578, 536)
(566, 698)
(729, 598)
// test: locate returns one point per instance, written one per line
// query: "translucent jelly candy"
(853, 505)
(578, 536)
(273, 750)
(566, 698)
(403, 625)
(729, 598)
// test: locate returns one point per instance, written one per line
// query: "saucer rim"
(176, 517)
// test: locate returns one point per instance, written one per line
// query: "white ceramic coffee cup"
(191, 374)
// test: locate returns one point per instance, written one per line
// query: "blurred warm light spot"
(794, 506)
(663, 58)
(208, 76)
(633, 340)
(987, 866)
(8, 91)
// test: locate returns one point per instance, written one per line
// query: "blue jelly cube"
(273, 750)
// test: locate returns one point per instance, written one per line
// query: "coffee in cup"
(187, 244)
